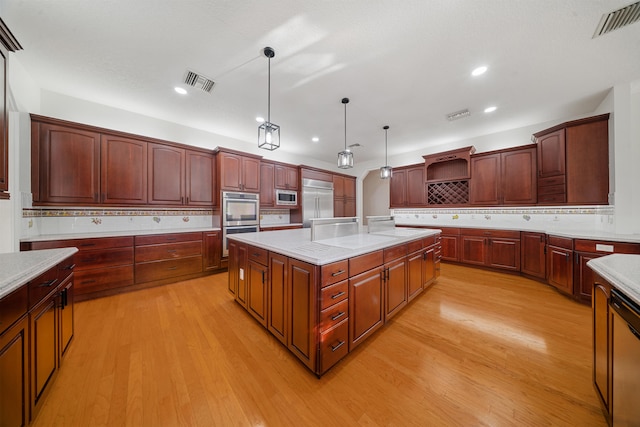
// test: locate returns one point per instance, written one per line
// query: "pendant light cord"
(345, 126)
(269, 94)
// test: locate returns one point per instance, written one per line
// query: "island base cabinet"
(14, 365)
(44, 346)
(257, 292)
(277, 297)
(601, 349)
(366, 305)
(302, 308)
(334, 345)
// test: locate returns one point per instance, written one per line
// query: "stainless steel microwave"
(286, 198)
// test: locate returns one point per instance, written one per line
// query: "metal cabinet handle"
(337, 273)
(338, 295)
(337, 346)
(339, 315)
(48, 283)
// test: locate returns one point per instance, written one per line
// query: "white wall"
(375, 195)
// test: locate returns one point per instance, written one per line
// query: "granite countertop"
(297, 243)
(572, 234)
(68, 236)
(17, 268)
(622, 271)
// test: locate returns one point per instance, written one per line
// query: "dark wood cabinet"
(302, 305)
(65, 165)
(166, 175)
(415, 274)
(242, 256)
(257, 277)
(573, 162)
(344, 196)
(533, 251)
(212, 250)
(407, 187)
(560, 263)
(267, 186)
(286, 177)
(123, 170)
(394, 276)
(167, 256)
(199, 178)
(366, 305)
(491, 248)
(602, 361)
(506, 177)
(278, 307)
(450, 241)
(238, 171)
(66, 316)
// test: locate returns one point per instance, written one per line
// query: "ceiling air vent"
(618, 19)
(198, 81)
(458, 115)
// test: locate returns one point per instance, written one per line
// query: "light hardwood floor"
(477, 349)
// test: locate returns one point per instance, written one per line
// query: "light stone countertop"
(297, 243)
(17, 268)
(622, 271)
(69, 236)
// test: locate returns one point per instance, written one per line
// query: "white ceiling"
(402, 63)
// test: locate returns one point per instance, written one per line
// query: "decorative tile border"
(44, 213)
(556, 210)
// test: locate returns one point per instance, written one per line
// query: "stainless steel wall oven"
(240, 214)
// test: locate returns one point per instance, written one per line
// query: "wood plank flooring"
(478, 348)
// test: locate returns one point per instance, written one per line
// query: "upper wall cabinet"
(286, 177)
(448, 175)
(74, 164)
(573, 162)
(238, 171)
(505, 177)
(344, 196)
(406, 188)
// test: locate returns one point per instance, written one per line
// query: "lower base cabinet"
(14, 371)
(601, 348)
(560, 263)
(366, 305)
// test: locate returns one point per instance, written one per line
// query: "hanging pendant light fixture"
(269, 133)
(385, 171)
(345, 157)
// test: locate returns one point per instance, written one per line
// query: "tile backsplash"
(274, 216)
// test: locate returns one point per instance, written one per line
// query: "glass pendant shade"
(385, 171)
(345, 157)
(269, 133)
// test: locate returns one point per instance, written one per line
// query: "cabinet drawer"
(395, 252)
(362, 263)
(13, 306)
(552, 189)
(428, 241)
(158, 270)
(157, 239)
(82, 244)
(42, 285)
(333, 345)
(552, 198)
(333, 294)
(551, 180)
(415, 246)
(506, 234)
(334, 314)
(86, 260)
(105, 278)
(334, 272)
(258, 255)
(450, 231)
(606, 247)
(168, 251)
(561, 242)
(65, 268)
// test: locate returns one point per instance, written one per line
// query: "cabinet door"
(286, 177)
(450, 251)
(415, 275)
(267, 191)
(44, 348)
(166, 175)
(366, 305)
(233, 267)
(14, 374)
(212, 252)
(123, 170)
(277, 297)
(199, 178)
(257, 292)
(416, 192)
(533, 258)
(551, 154)
(69, 165)
(484, 186)
(395, 287)
(242, 256)
(429, 269)
(587, 148)
(583, 276)
(398, 189)
(350, 188)
(250, 174)
(560, 265)
(601, 354)
(338, 186)
(338, 207)
(503, 253)
(349, 207)
(473, 250)
(302, 306)
(518, 180)
(66, 315)
(230, 171)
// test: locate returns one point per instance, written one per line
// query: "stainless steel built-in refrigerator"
(317, 200)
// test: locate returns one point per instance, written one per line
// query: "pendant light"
(269, 133)
(345, 157)
(385, 171)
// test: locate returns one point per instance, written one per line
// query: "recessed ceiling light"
(260, 119)
(315, 139)
(180, 90)
(490, 109)
(478, 71)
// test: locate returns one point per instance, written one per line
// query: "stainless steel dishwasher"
(626, 360)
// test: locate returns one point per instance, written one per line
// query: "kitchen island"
(322, 298)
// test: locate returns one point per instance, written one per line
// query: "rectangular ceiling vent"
(198, 81)
(618, 19)
(458, 115)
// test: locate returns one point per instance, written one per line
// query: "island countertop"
(297, 243)
(622, 271)
(18, 268)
